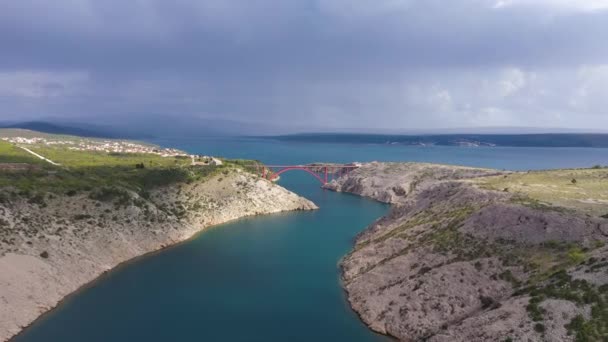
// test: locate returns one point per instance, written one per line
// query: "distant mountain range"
(146, 130)
(46, 127)
(469, 140)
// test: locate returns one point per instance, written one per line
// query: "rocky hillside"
(52, 243)
(481, 255)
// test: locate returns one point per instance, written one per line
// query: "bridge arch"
(305, 169)
(322, 172)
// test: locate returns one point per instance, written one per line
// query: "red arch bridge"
(324, 173)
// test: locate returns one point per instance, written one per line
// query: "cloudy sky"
(308, 64)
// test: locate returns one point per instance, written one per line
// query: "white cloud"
(512, 81)
(589, 89)
(441, 100)
(569, 5)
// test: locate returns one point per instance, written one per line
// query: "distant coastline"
(593, 140)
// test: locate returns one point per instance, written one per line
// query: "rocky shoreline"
(458, 260)
(52, 246)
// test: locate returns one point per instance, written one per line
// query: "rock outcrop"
(457, 261)
(51, 246)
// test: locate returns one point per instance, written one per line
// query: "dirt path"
(39, 156)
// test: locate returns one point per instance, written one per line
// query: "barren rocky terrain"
(480, 255)
(51, 244)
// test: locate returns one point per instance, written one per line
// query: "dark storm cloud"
(230, 34)
(344, 63)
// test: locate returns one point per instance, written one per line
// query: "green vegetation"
(420, 218)
(538, 261)
(108, 194)
(576, 255)
(13, 154)
(539, 328)
(562, 286)
(245, 164)
(524, 200)
(508, 276)
(543, 266)
(582, 189)
(83, 171)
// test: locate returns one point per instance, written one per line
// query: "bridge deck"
(322, 172)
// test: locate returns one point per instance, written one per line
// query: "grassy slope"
(581, 189)
(99, 176)
(85, 170)
(13, 154)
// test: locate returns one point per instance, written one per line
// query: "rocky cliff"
(51, 244)
(462, 256)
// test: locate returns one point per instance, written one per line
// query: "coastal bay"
(326, 170)
(290, 261)
(63, 226)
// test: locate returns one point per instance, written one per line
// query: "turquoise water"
(270, 278)
(511, 158)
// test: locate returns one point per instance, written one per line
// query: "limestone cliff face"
(455, 262)
(50, 248)
(392, 182)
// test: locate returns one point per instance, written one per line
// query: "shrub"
(37, 199)
(488, 303)
(144, 194)
(153, 178)
(534, 311)
(108, 194)
(576, 255)
(508, 276)
(44, 255)
(539, 328)
(478, 266)
(551, 244)
(423, 270)
(4, 198)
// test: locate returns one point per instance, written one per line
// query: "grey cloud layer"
(333, 62)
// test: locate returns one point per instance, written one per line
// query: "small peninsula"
(73, 208)
(471, 254)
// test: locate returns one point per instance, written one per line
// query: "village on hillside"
(109, 146)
